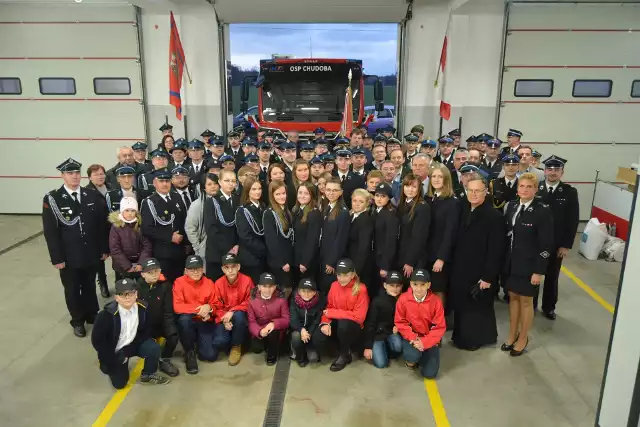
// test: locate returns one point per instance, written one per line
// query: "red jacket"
(187, 294)
(342, 305)
(262, 311)
(424, 320)
(232, 297)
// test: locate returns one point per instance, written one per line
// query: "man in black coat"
(125, 158)
(126, 176)
(350, 180)
(492, 163)
(163, 219)
(74, 221)
(505, 189)
(562, 198)
(160, 161)
(234, 149)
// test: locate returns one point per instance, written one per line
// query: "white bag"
(613, 249)
(593, 238)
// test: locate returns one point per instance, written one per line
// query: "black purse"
(476, 294)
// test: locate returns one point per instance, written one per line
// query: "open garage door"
(571, 84)
(70, 86)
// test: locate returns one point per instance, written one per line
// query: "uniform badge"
(166, 212)
(544, 254)
(64, 196)
(530, 209)
(70, 212)
(559, 188)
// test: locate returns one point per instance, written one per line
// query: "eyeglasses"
(127, 294)
(331, 190)
(476, 191)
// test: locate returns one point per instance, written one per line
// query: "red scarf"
(306, 304)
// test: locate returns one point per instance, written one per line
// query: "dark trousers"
(80, 294)
(214, 270)
(170, 340)
(325, 280)
(318, 340)
(253, 272)
(149, 350)
(102, 273)
(172, 268)
(550, 291)
(348, 335)
(284, 279)
(196, 334)
(270, 343)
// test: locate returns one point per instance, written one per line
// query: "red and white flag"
(347, 116)
(445, 108)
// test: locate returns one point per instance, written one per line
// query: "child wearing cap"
(268, 315)
(305, 313)
(233, 291)
(194, 302)
(121, 331)
(420, 321)
(129, 248)
(381, 335)
(156, 291)
(344, 317)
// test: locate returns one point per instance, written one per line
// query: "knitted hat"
(128, 203)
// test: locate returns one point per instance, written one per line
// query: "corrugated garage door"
(69, 87)
(571, 84)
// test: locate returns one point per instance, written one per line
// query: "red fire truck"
(305, 94)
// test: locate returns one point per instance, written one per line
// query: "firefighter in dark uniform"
(126, 177)
(215, 149)
(562, 198)
(471, 142)
(74, 221)
(234, 148)
(513, 138)
(166, 129)
(182, 159)
(207, 136)
(160, 160)
(350, 180)
(318, 133)
(140, 156)
(429, 147)
(411, 142)
(492, 162)
(388, 131)
(455, 135)
(163, 218)
(181, 186)
(536, 159)
(505, 189)
(445, 153)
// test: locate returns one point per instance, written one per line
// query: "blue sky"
(374, 44)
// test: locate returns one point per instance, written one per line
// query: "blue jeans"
(429, 359)
(191, 332)
(222, 338)
(381, 350)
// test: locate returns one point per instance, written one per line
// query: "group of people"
(368, 244)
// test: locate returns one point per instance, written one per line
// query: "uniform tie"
(187, 200)
(550, 191)
(75, 198)
(343, 178)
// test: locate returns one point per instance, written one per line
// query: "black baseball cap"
(267, 279)
(229, 259)
(394, 278)
(307, 283)
(345, 265)
(420, 275)
(125, 285)
(150, 264)
(384, 188)
(193, 262)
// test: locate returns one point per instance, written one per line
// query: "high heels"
(516, 353)
(509, 347)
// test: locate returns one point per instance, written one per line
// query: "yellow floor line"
(119, 396)
(593, 294)
(439, 414)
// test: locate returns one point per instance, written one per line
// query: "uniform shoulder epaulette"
(142, 303)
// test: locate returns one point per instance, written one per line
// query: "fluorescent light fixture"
(309, 108)
(355, 92)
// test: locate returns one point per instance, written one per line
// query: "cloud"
(374, 44)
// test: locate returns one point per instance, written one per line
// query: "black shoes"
(516, 353)
(506, 347)
(191, 362)
(340, 363)
(302, 360)
(104, 289)
(154, 379)
(79, 331)
(271, 359)
(168, 368)
(551, 315)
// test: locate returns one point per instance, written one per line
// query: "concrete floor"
(49, 377)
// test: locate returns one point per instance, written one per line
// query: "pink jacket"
(262, 311)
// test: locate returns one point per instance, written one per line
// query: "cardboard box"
(628, 176)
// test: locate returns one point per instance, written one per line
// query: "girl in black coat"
(415, 220)
(335, 232)
(278, 235)
(445, 216)
(360, 235)
(252, 250)
(385, 233)
(305, 313)
(307, 226)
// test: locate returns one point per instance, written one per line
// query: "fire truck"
(305, 94)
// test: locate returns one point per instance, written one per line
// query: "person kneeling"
(193, 301)
(121, 331)
(346, 311)
(233, 291)
(381, 336)
(156, 291)
(420, 321)
(306, 310)
(268, 317)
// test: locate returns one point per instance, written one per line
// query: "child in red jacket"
(268, 317)
(420, 321)
(346, 311)
(193, 302)
(233, 291)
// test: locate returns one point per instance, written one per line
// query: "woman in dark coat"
(385, 234)
(360, 235)
(97, 181)
(252, 250)
(307, 225)
(477, 260)
(415, 220)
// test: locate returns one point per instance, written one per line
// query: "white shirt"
(420, 299)
(197, 167)
(510, 182)
(356, 215)
(128, 325)
(69, 191)
(165, 197)
(359, 172)
(182, 193)
(378, 209)
(554, 185)
(342, 175)
(256, 204)
(225, 196)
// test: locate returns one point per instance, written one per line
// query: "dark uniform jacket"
(239, 156)
(159, 299)
(445, 217)
(308, 318)
(143, 167)
(385, 237)
(380, 319)
(106, 333)
(502, 193)
(530, 239)
(220, 237)
(145, 187)
(492, 171)
(190, 193)
(279, 247)
(414, 234)
(351, 182)
(447, 162)
(114, 197)
(306, 244)
(252, 249)
(359, 243)
(111, 179)
(77, 235)
(160, 219)
(335, 233)
(507, 150)
(564, 206)
(196, 178)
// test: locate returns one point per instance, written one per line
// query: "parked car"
(382, 119)
(239, 119)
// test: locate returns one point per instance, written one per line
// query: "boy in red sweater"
(347, 304)
(193, 302)
(420, 321)
(233, 291)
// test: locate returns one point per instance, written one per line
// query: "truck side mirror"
(378, 91)
(244, 94)
(244, 106)
(379, 106)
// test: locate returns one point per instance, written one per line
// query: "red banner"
(176, 68)
(445, 110)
